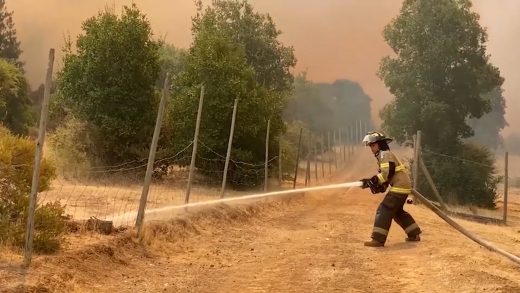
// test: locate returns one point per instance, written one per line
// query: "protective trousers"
(392, 208)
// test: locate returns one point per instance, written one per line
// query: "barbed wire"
(142, 165)
(105, 197)
(237, 162)
(457, 158)
(4, 165)
(178, 153)
(119, 165)
(108, 169)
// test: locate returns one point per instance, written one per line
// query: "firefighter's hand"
(371, 183)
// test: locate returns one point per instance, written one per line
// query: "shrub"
(16, 164)
(69, 145)
(467, 178)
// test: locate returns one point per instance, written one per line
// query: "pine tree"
(9, 44)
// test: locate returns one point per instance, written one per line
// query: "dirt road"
(311, 243)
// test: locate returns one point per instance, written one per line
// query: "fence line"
(109, 191)
(456, 158)
(471, 210)
(100, 196)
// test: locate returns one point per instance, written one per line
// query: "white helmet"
(374, 136)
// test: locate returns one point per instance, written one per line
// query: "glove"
(373, 184)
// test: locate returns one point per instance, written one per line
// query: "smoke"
(42, 25)
(502, 20)
(333, 38)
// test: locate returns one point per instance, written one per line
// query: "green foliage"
(257, 34)
(472, 177)
(439, 74)
(171, 60)
(49, 227)
(109, 83)
(438, 77)
(15, 105)
(487, 128)
(16, 163)
(69, 146)
(307, 104)
(348, 101)
(17, 159)
(9, 44)
(235, 54)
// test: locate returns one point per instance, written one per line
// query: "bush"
(16, 164)
(69, 145)
(469, 180)
(49, 226)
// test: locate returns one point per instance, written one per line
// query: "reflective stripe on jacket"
(400, 181)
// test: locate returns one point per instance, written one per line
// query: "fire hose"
(462, 230)
(417, 194)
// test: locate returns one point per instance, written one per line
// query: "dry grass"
(309, 243)
(118, 197)
(105, 201)
(91, 256)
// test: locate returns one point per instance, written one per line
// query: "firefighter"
(392, 173)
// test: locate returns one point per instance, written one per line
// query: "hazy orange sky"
(332, 38)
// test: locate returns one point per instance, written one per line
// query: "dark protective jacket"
(393, 173)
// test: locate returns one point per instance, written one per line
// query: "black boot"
(374, 243)
(415, 238)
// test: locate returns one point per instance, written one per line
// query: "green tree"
(438, 77)
(306, 104)
(9, 44)
(172, 60)
(348, 101)
(110, 83)
(257, 34)
(327, 106)
(15, 105)
(235, 53)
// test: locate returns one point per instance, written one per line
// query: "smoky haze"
(333, 38)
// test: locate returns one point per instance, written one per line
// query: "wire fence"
(120, 194)
(109, 192)
(484, 202)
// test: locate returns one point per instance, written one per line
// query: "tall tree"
(307, 105)
(110, 83)
(348, 101)
(440, 71)
(438, 77)
(9, 44)
(259, 37)
(235, 53)
(327, 106)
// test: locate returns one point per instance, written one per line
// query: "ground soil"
(303, 243)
